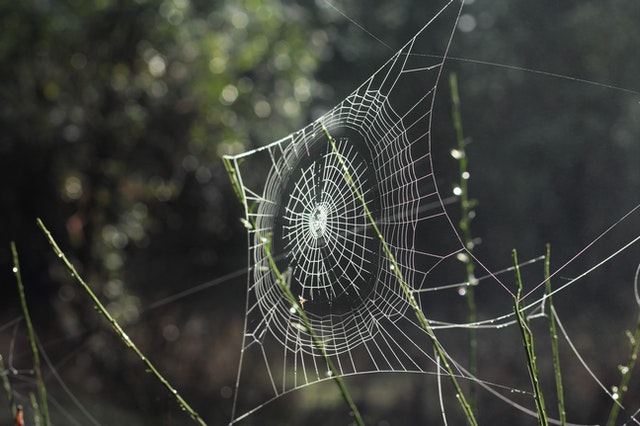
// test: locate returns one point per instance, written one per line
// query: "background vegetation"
(114, 115)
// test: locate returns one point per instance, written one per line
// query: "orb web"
(306, 211)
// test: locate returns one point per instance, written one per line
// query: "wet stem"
(465, 228)
(118, 329)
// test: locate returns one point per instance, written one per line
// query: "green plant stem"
(465, 228)
(7, 388)
(527, 340)
(118, 329)
(626, 374)
(235, 182)
(554, 338)
(42, 390)
(335, 373)
(424, 323)
(282, 283)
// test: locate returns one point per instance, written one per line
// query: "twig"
(42, 390)
(116, 326)
(19, 415)
(527, 340)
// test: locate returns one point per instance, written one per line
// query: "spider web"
(309, 215)
(303, 207)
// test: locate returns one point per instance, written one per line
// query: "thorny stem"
(424, 323)
(465, 228)
(116, 326)
(527, 340)
(554, 339)
(42, 390)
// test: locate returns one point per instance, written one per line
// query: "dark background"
(113, 118)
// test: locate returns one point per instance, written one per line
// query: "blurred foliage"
(114, 114)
